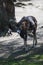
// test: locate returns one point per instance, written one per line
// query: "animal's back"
(30, 19)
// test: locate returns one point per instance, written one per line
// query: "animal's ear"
(20, 26)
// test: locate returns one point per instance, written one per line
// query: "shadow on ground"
(19, 55)
(31, 54)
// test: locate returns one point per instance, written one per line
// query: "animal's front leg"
(25, 42)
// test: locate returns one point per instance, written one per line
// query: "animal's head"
(24, 25)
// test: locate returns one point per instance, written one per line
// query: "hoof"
(33, 46)
(35, 43)
(26, 49)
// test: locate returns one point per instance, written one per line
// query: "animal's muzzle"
(23, 34)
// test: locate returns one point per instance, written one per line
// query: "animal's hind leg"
(34, 39)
